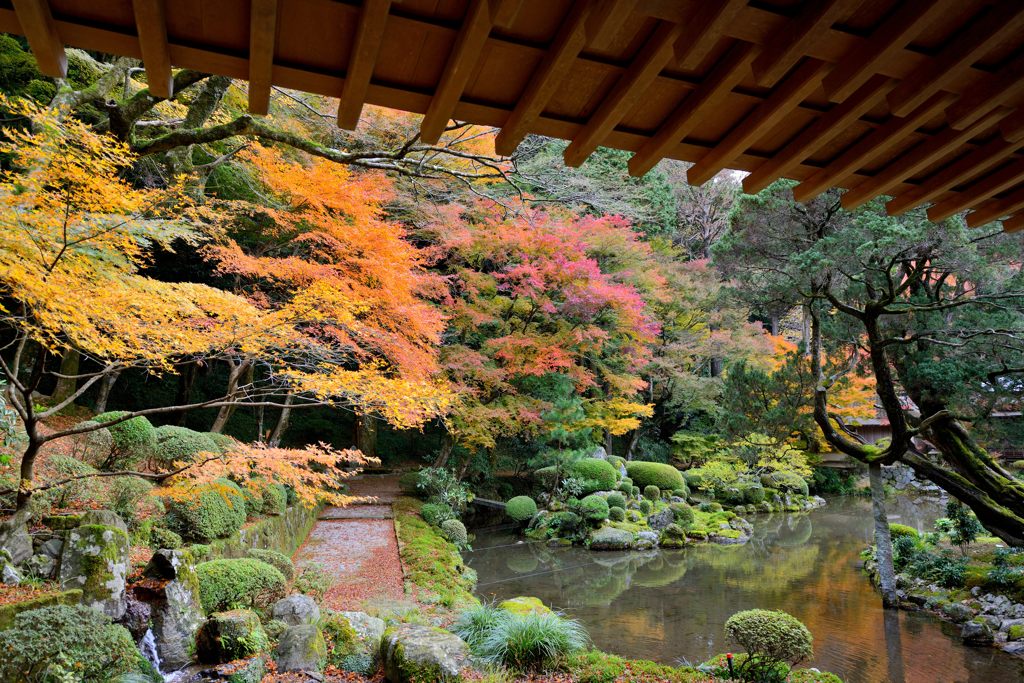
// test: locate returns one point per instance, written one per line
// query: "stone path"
(357, 546)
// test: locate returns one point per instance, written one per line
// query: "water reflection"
(672, 605)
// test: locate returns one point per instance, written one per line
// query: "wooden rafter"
(546, 79)
(974, 163)
(151, 23)
(604, 19)
(505, 12)
(875, 144)
(999, 22)
(818, 134)
(785, 50)
(1014, 223)
(369, 34)
(797, 86)
(926, 153)
(626, 93)
(462, 60)
(884, 44)
(1002, 180)
(1001, 88)
(994, 209)
(262, 39)
(1012, 128)
(708, 27)
(37, 23)
(697, 104)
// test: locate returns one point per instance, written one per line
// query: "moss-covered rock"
(610, 538)
(95, 560)
(235, 634)
(301, 648)
(175, 606)
(423, 654)
(524, 605)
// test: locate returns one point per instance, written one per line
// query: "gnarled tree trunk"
(883, 540)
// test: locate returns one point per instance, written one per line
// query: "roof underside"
(916, 100)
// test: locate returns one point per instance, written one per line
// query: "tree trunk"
(282, 422)
(447, 446)
(633, 440)
(238, 370)
(883, 541)
(106, 386)
(186, 380)
(66, 386)
(366, 435)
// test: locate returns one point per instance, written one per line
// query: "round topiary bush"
(899, 530)
(652, 493)
(224, 443)
(683, 492)
(616, 500)
(594, 508)
(282, 562)
(455, 531)
(597, 475)
(207, 511)
(683, 514)
(436, 514)
(521, 508)
(626, 488)
(160, 537)
(238, 583)
(180, 445)
(132, 441)
(67, 643)
(635, 492)
(655, 474)
(785, 481)
(645, 507)
(617, 514)
(771, 638)
(753, 493)
(548, 476)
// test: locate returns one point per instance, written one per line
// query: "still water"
(671, 606)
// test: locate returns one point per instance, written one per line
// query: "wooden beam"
(883, 45)
(696, 105)
(788, 46)
(151, 24)
(975, 162)
(1014, 223)
(999, 22)
(994, 209)
(604, 20)
(823, 130)
(37, 23)
(987, 93)
(373, 18)
(504, 13)
(262, 39)
(462, 60)
(1012, 129)
(881, 140)
(926, 153)
(626, 93)
(985, 188)
(708, 27)
(547, 78)
(791, 92)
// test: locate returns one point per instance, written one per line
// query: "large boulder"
(369, 629)
(231, 635)
(301, 648)
(175, 605)
(660, 520)
(423, 654)
(104, 518)
(296, 609)
(610, 538)
(977, 633)
(14, 537)
(95, 559)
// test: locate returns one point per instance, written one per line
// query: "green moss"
(432, 563)
(234, 583)
(209, 511)
(600, 667)
(521, 508)
(9, 611)
(1015, 632)
(898, 530)
(657, 474)
(524, 605)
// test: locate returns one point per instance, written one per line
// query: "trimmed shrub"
(771, 638)
(652, 493)
(180, 444)
(531, 641)
(899, 530)
(626, 488)
(313, 580)
(91, 447)
(683, 514)
(682, 492)
(282, 562)
(635, 492)
(655, 474)
(208, 511)
(455, 531)
(133, 440)
(617, 514)
(223, 442)
(597, 475)
(67, 643)
(616, 500)
(161, 537)
(126, 495)
(594, 508)
(436, 514)
(521, 508)
(645, 507)
(785, 481)
(407, 483)
(753, 493)
(275, 499)
(238, 583)
(253, 498)
(77, 491)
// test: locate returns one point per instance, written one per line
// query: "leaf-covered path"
(357, 546)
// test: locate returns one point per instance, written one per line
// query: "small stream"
(671, 606)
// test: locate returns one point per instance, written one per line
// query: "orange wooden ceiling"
(917, 99)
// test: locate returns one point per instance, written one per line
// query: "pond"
(671, 606)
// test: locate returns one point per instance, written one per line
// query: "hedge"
(238, 583)
(657, 474)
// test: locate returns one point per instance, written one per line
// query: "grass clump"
(524, 641)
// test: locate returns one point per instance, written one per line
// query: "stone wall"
(284, 533)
